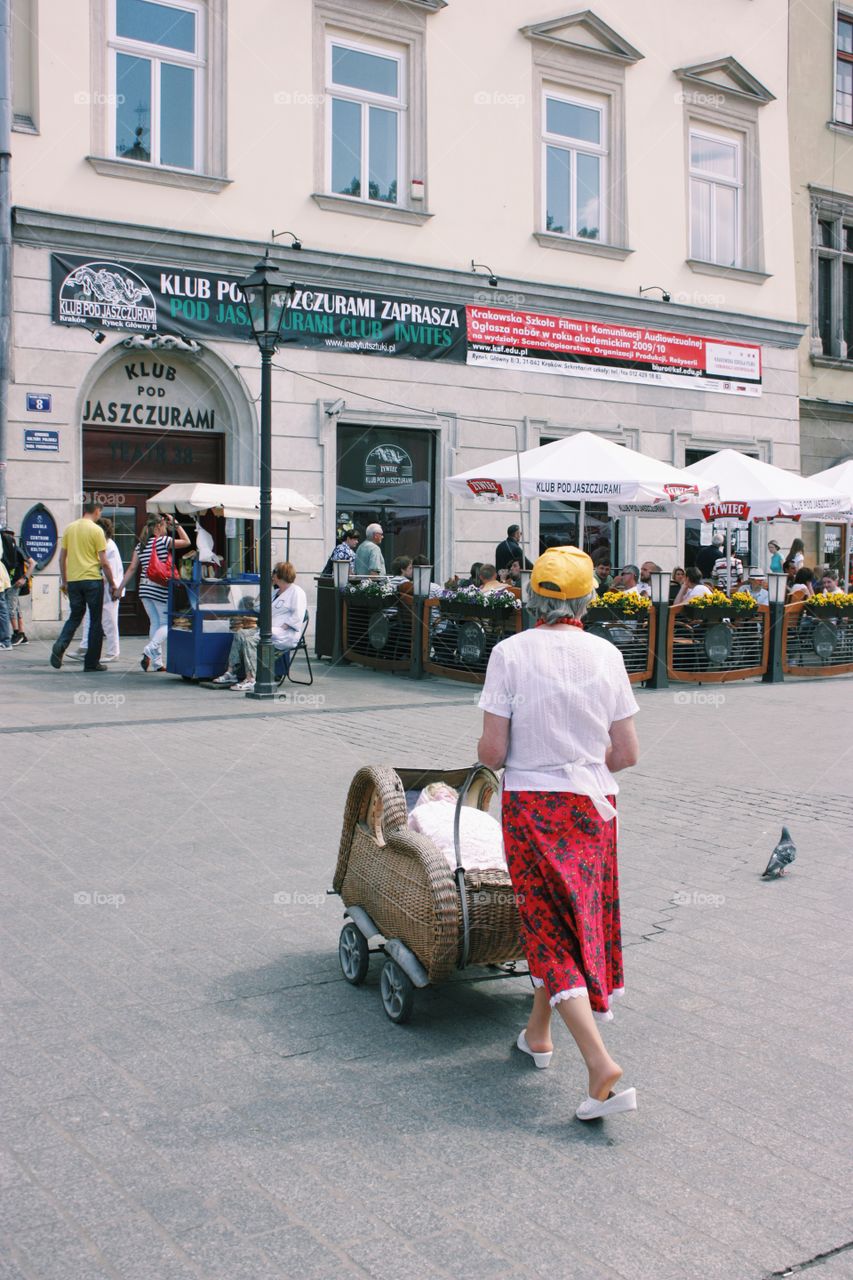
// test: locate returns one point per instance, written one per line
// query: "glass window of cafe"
(698, 533)
(559, 524)
(387, 476)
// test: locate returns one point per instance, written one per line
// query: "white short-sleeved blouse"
(562, 689)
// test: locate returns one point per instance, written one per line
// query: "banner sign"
(41, 441)
(585, 349)
(141, 297)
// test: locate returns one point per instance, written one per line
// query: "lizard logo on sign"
(108, 296)
(387, 464)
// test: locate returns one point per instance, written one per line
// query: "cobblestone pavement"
(192, 1090)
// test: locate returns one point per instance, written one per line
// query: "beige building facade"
(620, 177)
(821, 40)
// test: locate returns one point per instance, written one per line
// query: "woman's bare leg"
(538, 1032)
(603, 1071)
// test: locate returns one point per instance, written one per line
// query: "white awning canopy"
(582, 468)
(754, 490)
(238, 501)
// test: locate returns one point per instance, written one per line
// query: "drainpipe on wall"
(5, 239)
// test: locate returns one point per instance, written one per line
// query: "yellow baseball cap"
(563, 573)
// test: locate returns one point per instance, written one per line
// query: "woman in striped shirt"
(154, 595)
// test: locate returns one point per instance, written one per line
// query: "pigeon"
(781, 857)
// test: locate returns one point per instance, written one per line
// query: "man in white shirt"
(720, 572)
(288, 618)
(629, 584)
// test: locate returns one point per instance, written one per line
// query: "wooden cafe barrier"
(816, 642)
(634, 637)
(377, 630)
(459, 642)
(707, 647)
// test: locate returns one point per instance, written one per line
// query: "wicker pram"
(396, 883)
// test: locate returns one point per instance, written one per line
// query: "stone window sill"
(548, 240)
(741, 274)
(137, 171)
(366, 209)
(832, 362)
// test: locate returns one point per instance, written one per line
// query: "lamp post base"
(266, 685)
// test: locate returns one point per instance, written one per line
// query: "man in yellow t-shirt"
(83, 565)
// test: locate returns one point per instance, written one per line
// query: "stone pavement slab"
(192, 1089)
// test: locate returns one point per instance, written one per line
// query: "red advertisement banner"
(587, 348)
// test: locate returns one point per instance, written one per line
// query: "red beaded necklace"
(561, 622)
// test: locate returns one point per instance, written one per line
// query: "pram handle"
(459, 874)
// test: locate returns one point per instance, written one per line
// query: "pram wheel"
(354, 954)
(398, 992)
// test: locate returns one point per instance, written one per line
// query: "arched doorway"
(159, 411)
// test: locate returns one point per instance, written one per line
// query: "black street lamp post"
(267, 299)
(660, 581)
(777, 584)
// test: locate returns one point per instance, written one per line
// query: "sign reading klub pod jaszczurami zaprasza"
(140, 297)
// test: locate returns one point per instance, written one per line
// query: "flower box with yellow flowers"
(619, 605)
(824, 605)
(717, 606)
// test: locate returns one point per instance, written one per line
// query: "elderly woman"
(558, 713)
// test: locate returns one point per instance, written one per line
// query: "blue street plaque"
(37, 402)
(41, 441)
(38, 535)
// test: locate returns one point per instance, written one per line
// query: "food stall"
(215, 599)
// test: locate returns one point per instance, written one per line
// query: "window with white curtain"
(716, 198)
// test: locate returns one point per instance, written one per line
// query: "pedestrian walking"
(20, 568)
(558, 713)
(83, 566)
(345, 549)
(163, 536)
(510, 549)
(5, 624)
(109, 613)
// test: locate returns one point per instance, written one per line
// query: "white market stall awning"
(839, 479)
(236, 501)
(754, 490)
(581, 468)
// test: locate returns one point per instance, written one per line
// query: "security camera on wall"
(333, 410)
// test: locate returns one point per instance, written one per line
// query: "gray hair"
(371, 529)
(631, 568)
(548, 609)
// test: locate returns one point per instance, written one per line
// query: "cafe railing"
(706, 647)
(458, 638)
(816, 642)
(377, 630)
(634, 637)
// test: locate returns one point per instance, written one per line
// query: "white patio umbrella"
(239, 501)
(753, 490)
(583, 468)
(840, 479)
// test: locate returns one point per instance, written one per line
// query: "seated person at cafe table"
(757, 587)
(288, 618)
(628, 582)
(829, 584)
(401, 571)
(489, 580)
(692, 587)
(802, 588)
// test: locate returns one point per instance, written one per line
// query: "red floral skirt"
(562, 861)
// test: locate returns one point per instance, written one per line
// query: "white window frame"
(575, 147)
(159, 54)
(846, 15)
(736, 184)
(366, 99)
